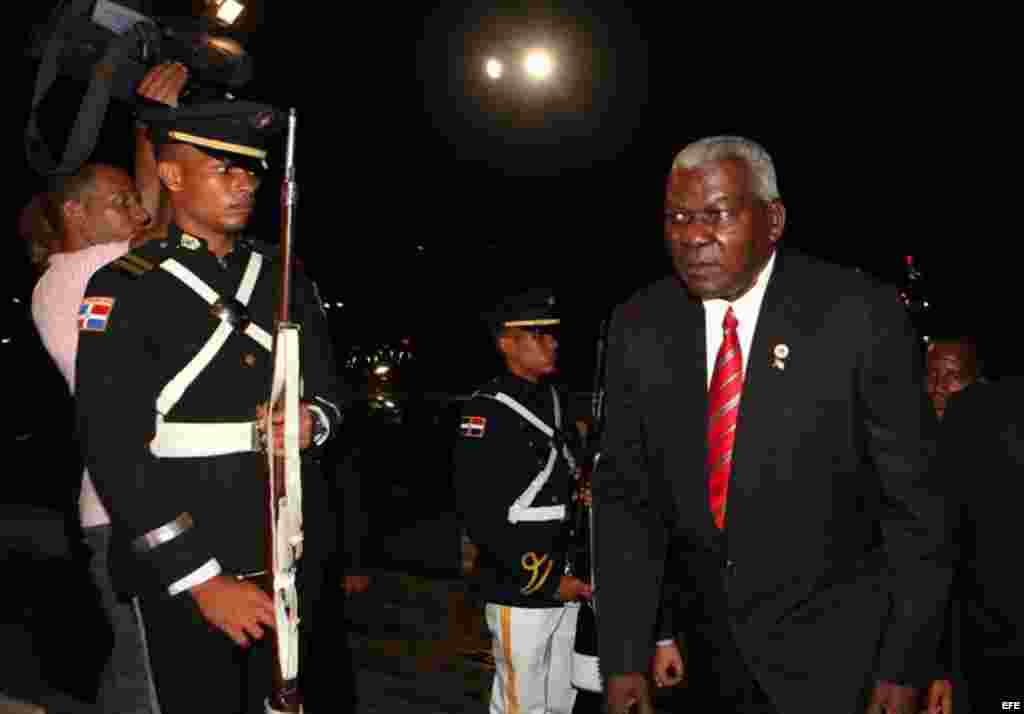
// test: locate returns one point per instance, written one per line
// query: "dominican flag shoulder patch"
(473, 426)
(94, 313)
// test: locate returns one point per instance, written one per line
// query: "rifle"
(284, 483)
(584, 517)
(594, 442)
(581, 557)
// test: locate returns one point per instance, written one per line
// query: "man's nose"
(696, 233)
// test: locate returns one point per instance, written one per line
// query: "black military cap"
(532, 309)
(239, 131)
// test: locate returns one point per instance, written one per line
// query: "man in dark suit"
(983, 456)
(787, 466)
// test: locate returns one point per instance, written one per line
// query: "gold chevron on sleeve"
(134, 264)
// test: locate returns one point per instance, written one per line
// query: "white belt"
(178, 440)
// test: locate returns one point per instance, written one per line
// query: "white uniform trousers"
(532, 659)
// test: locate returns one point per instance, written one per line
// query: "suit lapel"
(687, 406)
(770, 372)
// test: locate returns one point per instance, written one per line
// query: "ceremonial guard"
(514, 484)
(174, 361)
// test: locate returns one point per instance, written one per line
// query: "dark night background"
(427, 192)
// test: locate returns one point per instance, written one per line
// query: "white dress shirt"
(746, 308)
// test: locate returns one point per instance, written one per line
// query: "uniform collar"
(187, 243)
(522, 389)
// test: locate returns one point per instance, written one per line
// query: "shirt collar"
(749, 303)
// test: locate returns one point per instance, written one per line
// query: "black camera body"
(216, 60)
(111, 45)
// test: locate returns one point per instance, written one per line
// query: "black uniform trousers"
(191, 658)
(198, 668)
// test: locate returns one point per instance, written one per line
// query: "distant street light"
(539, 64)
(494, 68)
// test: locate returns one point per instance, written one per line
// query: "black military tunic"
(497, 455)
(140, 326)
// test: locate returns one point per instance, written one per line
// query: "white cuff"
(665, 643)
(338, 415)
(210, 570)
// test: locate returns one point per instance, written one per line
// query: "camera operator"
(87, 220)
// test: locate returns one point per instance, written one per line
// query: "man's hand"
(571, 588)
(237, 608)
(890, 698)
(667, 666)
(164, 83)
(626, 691)
(305, 426)
(940, 697)
(583, 491)
(353, 584)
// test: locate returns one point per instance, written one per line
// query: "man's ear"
(72, 211)
(171, 175)
(777, 219)
(505, 344)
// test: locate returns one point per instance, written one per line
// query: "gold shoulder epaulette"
(134, 264)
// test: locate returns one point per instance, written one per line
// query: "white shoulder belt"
(522, 509)
(183, 440)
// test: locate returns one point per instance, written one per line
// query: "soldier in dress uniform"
(514, 483)
(174, 357)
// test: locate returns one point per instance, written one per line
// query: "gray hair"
(720, 148)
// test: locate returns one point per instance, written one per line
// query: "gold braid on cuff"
(165, 533)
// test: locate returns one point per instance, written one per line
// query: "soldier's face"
(217, 194)
(530, 354)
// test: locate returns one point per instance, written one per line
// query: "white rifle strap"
(286, 509)
(522, 508)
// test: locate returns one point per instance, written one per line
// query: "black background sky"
(426, 192)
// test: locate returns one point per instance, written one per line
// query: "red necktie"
(723, 407)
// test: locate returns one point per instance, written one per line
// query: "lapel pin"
(781, 352)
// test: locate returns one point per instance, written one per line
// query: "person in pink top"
(86, 221)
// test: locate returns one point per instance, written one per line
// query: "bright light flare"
(494, 68)
(539, 64)
(229, 10)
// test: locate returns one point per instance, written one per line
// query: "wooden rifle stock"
(283, 546)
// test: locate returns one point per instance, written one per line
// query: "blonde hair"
(36, 229)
